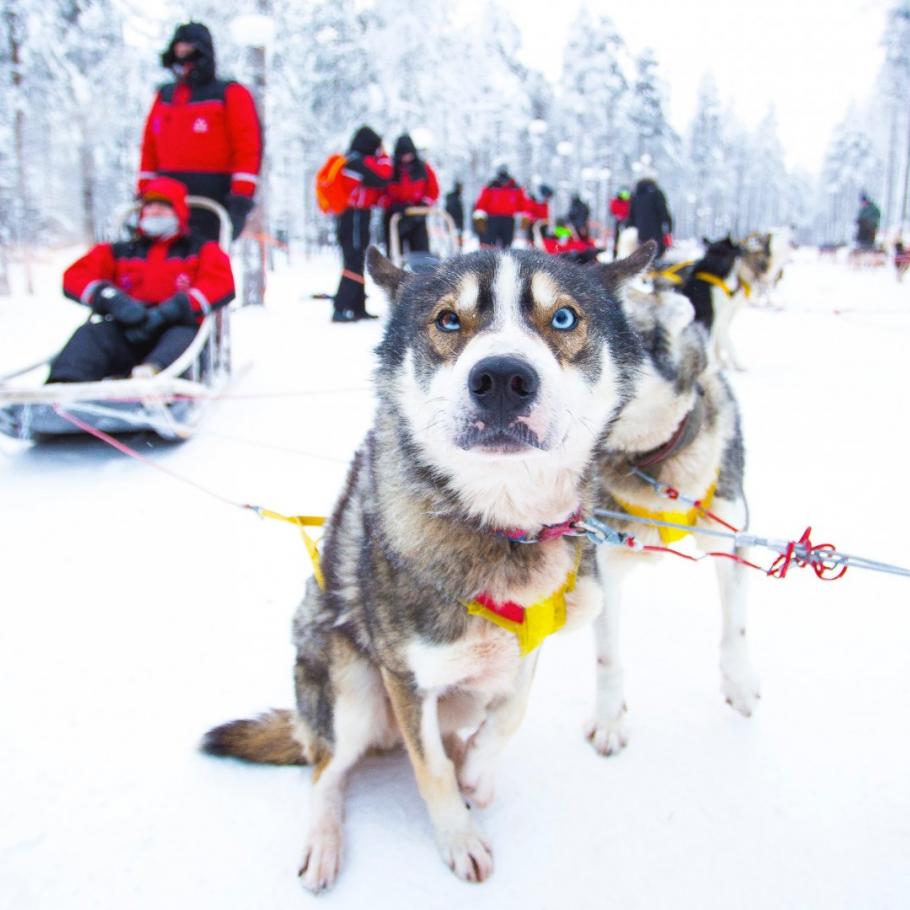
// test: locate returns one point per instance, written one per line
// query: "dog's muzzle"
(502, 389)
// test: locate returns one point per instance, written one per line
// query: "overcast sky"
(808, 58)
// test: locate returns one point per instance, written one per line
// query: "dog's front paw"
(740, 687)
(608, 737)
(467, 853)
(476, 779)
(321, 860)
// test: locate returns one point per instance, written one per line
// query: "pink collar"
(547, 532)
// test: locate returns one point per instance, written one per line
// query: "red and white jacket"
(152, 270)
(502, 197)
(207, 136)
(408, 191)
(366, 178)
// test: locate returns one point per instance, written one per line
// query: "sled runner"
(443, 238)
(171, 403)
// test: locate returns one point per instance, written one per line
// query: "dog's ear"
(389, 277)
(614, 274)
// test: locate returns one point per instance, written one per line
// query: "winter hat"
(200, 37)
(366, 141)
(404, 145)
(171, 191)
(500, 167)
(545, 190)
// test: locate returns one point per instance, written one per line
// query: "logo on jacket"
(200, 125)
(184, 282)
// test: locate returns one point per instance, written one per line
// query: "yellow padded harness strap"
(708, 278)
(531, 624)
(671, 535)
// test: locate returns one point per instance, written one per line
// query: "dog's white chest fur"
(485, 660)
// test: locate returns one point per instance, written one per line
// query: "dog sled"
(171, 404)
(443, 238)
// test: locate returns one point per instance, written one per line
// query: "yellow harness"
(708, 278)
(688, 518)
(531, 624)
(671, 273)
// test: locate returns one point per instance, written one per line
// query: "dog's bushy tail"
(273, 738)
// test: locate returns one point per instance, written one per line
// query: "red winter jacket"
(538, 211)
(366, 177)
(556, 245)
(407, 191)
(619, 208)
(151, 270)
(502, 197)
(207, 136)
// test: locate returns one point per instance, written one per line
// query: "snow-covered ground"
(137, 612)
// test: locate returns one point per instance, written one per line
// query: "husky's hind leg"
(360, 719)
(607, 731)
(739, 681)
(463, 847)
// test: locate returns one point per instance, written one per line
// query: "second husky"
(681, 428)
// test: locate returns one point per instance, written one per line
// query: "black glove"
(175, 310)
(238, 208)
(110, 301)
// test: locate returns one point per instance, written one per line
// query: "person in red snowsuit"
(565, 242)
(496, 207)
(620, 205)
(203, 131)
(413, 184)
(152, 292)
(367, 171)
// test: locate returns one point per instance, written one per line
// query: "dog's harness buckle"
(599, 533)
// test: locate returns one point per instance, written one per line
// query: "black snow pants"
(353, 229)
(412, 233)
(98, 350)
(500, 232)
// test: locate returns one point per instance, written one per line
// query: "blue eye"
(448, 321)
(564, 318)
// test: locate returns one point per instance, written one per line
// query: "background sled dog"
(498, 374)
(681, 427)
(716, 295)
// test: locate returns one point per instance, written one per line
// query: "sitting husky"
(716, 294)
(447, 558)
(681, 427)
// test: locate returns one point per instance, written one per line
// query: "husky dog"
(498, 374)
(762, 265)
(681, 427)
(717, 296)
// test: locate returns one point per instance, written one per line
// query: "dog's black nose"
(504, 387)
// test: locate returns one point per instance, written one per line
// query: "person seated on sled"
(152, 292)
(566, 243)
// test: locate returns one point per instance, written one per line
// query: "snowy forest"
(77, 77)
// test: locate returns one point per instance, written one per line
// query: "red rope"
(715, 553)
(132, 453)
(826, 571)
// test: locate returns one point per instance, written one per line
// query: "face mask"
(160, 226)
